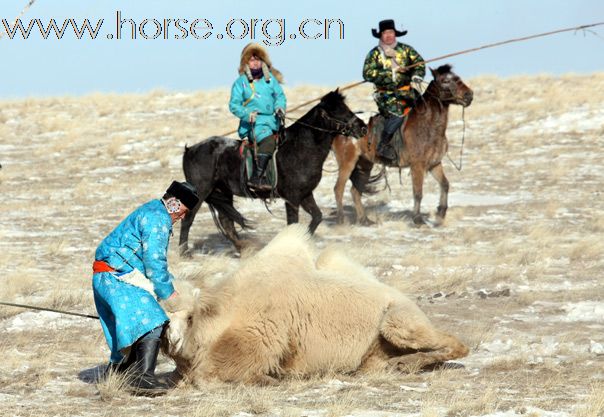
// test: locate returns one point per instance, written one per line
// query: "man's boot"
(119, 368)
(143, 379)
(258, 181)
(385, 150)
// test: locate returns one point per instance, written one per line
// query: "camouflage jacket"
(393, 92)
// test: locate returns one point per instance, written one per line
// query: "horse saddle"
(246, 151)
(376, 126)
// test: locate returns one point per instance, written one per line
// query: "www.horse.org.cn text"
(271, 32)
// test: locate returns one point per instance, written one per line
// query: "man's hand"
(252, 118)
(416, 83)
(390, 53)
(280, 113)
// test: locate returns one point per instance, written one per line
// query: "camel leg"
(408, 329)
(439, 175)
(310, 206)
(346, 154)
(417, 177)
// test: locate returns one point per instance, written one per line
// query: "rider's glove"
(416, 82)
(280, 113)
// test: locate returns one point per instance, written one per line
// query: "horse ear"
(434, 73)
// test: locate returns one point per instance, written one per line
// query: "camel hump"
(294, 240)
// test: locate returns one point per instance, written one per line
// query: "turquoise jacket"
(141, 241)
(262, 97)
(128, 312)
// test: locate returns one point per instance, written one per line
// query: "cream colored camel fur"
(290, 311)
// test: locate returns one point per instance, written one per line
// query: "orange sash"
(101, 266)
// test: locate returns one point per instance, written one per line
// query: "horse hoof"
(418, 220)
(441, 212)
(366, 222)
(244, 245)
(186, 253)
(438, 221)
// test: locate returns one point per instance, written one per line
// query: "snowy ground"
(516, 270)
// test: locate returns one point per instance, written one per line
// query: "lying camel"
(288, 312)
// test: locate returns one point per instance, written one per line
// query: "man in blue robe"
(130, 275)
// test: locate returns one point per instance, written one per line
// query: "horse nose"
(364, 131)
(468, 97)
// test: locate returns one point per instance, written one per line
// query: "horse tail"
(364, 182)
(222, 203)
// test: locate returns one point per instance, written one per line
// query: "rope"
(465, 51)
(463, 139)
(88, 316)
(25, 9)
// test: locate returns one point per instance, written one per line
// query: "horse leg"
(439, 175)
(310, 206)
(292, 212)
(228, 226)
(360, 178)
(417, 176)
(362, 218)
(185, 226)
(346, 154)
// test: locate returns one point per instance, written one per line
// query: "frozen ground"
(516, 271)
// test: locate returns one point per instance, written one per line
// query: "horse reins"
(342, 127)
(463, 138)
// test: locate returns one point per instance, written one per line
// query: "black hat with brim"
(385, 25)
(185, 192)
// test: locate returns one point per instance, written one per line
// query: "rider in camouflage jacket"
(385, 67)
(393, 92)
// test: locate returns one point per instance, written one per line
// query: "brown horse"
(423, 148)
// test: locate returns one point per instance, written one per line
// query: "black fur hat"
(185, 192)
(385, 25)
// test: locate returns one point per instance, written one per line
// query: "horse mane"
(444, 69)
(333, 98)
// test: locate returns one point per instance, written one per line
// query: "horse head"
(449, 87)
(337, 116)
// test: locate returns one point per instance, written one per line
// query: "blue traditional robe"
(140, 242)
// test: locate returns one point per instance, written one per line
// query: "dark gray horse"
(213, 166)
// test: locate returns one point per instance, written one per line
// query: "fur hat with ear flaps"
(258, 50)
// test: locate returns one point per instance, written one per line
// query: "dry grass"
(594, 406)
(16, 285)
(77, 165)
(67, 299)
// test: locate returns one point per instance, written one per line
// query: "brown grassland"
(516, 271)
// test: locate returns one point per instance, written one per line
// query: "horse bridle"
(439, 96)
(343, 128)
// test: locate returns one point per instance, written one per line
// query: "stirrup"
(388, 153)
(261, 184)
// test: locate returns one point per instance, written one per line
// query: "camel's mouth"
(175, 334)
